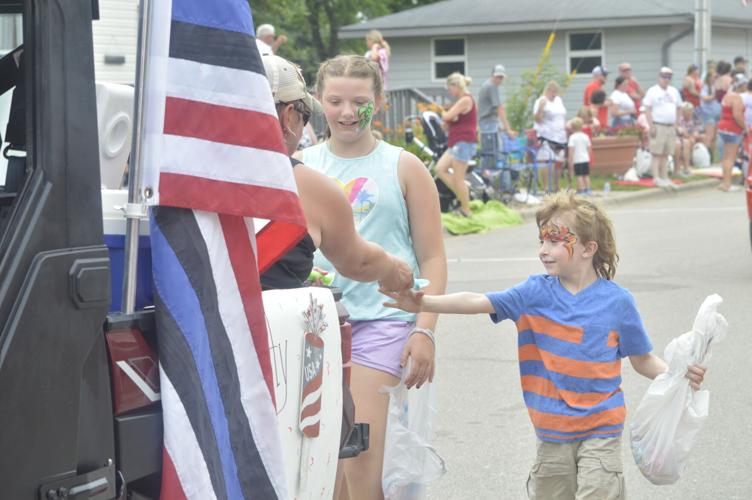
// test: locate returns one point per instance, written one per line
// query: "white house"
(470, 36)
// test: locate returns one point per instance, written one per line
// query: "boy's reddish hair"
(590, 224)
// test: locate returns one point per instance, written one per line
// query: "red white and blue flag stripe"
(213, 159)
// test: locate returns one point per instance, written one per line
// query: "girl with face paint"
(574, 326)
(395, 204)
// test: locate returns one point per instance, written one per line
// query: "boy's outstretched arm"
(454, 303)
(649, 365)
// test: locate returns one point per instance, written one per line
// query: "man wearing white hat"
(492, 119)
(661, 104)
(266, 41)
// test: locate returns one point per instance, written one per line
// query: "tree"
(311, 26)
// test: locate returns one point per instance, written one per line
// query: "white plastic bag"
(663, 429)
(700, 156)
(410, 462)
(642, 162)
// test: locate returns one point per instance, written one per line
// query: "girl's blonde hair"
(375, 36)
(350, 66)
(457, 79)
(590, 224)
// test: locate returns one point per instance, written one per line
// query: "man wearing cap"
(492, 119)
(634, 89)
(661, 104)
(266, 41)
(599, 78)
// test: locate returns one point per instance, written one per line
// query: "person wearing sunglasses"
(661, 104)
(327, 211)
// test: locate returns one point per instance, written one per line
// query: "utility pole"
(702, 33)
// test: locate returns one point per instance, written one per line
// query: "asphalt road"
(675, 250)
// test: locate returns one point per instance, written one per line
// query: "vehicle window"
(11, 36)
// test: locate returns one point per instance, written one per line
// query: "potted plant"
(614, 154)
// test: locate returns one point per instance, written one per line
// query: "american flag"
(213, 159)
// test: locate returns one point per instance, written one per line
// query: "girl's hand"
(696, 374)
(421, 351)
(408, 300)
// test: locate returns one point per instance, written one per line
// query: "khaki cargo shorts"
(664, 141)
(586, 470)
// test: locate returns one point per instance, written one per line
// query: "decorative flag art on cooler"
(213, 159)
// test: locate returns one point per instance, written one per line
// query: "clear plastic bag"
(664, 427)
(410, 462)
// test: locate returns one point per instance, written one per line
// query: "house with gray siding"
(470, 36)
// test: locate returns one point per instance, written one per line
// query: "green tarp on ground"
(488, 215)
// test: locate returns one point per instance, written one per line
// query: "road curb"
(618, 198)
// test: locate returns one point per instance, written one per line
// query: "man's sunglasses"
(301, 108)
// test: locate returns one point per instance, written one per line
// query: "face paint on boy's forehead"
(365, 114)
(552, 232)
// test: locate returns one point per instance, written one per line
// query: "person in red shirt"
(599, 78)
(634, 89)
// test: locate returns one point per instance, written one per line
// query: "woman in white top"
(622, 107)
(551, 128)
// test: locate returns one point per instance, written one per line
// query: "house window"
(448, 57)
(584, 51)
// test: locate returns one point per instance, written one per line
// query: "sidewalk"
(619, 197)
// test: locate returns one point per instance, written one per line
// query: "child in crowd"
(574, 325)
(599, 104)
(591, 127)
(395, 204)
(580, 152)
(689, 131)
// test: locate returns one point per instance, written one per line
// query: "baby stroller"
(436, 138)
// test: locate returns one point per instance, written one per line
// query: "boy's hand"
(696, 374)
(408, 300)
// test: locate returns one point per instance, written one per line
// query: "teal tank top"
(372, 187)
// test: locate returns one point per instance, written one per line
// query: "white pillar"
(703, 32)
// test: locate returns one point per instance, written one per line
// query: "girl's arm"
(463, 106)
(422, 200)
(649, 365)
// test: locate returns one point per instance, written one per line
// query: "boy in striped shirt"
(574, 325)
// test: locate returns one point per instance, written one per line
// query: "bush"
(527, 89)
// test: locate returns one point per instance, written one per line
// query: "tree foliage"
(527, 89)
(311, 26)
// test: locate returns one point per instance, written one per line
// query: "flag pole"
(135, 209)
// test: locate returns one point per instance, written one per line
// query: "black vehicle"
(70, 426)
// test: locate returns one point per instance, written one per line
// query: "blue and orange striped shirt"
(570, 350)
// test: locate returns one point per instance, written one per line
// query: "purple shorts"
(378, 344)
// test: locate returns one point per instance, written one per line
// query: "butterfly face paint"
(365, 114)
(552, 232)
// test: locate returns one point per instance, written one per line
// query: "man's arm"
(503, 118)
(277, 42)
